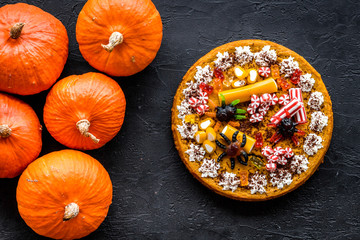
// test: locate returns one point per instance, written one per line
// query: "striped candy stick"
(288, 110)
(300, 116)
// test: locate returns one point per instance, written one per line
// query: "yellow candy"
(191, 118)
(208, 122)
(209, 146)
(240, 72)
(200, 136)
(210, 134)
(244, 93)
(238, 83)
(253, 76)
(250, 142)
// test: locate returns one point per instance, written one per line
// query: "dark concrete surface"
(155, 197)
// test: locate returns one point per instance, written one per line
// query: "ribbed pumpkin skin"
(91, 96)
(57, 179)
(24, 144)
(138, 21)
(34, 61)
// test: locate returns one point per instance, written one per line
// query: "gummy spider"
(227, 112)
(233, 149)
(286, 129)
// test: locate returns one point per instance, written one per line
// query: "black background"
(155, 197)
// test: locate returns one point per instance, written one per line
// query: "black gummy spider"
(286, 129)
(229, 111)
(233, 149)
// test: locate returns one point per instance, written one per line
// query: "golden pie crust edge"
(298, 180)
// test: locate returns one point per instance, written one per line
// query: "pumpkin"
(64, 195)
(84, 111)
(34, 49)
(119, 37)
(20, 136)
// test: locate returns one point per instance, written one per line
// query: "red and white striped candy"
(251, 109)
(288, 152)
(265, 98)
(255, 100)
(203, 97)
(288, 110)
(267, 151)
(263, 109)
(193, 102)
(284, 99)
(264, 71)
(201, 109)
(278, 151)
(274, 99)
(273, 158)
(271, 167)
(256, 117)
(300, 116)
(282, 160)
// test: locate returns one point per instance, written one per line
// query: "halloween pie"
(252, 120)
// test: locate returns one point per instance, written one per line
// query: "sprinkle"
(229, 181)
(243, 55)
(223, 61)
(280, 178)
(257, 183)
(195, 152)
(318, 121)
(203, 75)
(312, 144)
(316, 100)
(306, 82)
(265, 57)
(299, 164)
(288, 66)
(209, 168)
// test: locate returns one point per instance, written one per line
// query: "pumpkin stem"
(15, 30)
(5, 131)
(115, 39)
(83, 126)
(71, 211)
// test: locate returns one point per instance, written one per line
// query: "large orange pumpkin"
(64, 194)
(119, 37)
(34, 49)
(85, 111)
(20, 136)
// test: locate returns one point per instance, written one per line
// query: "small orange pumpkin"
(85, 111)
(119, 37)
(64, 195)
(34, 49)
(20, 136)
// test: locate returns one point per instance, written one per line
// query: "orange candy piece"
(244, 178)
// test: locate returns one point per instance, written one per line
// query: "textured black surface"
(155, 197)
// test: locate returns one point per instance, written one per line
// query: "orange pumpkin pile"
(34, 49)
(119, 37)
(67, 194)
(85, 111)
